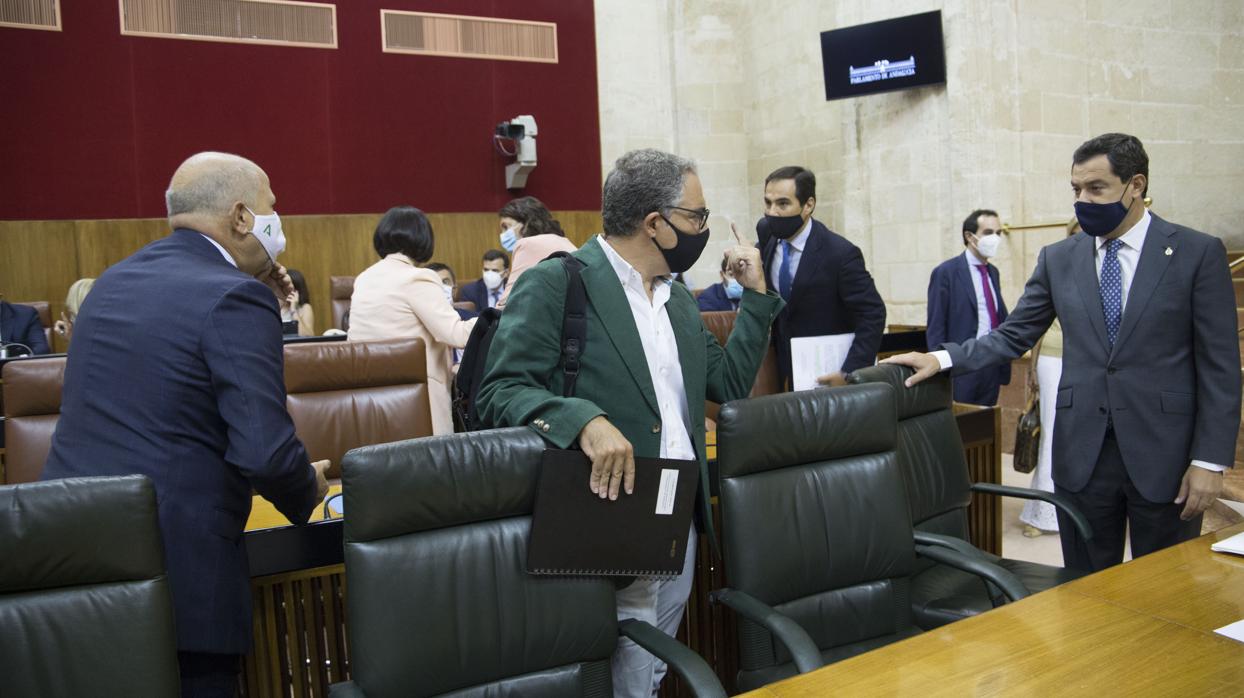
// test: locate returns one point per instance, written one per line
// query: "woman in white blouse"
(396, 298)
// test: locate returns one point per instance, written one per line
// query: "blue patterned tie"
(1112, 289)
(784, 279)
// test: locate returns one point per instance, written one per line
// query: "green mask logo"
(268, 230)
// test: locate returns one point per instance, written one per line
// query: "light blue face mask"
(734, 289)
(509, 239)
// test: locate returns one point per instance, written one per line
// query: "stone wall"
(738, 86)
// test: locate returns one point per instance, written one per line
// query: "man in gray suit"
(1149, 401)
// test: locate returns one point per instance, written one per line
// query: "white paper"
(1234, 544)
(1235, 631)
(813, 357)
(665, 495)
(1237, 507)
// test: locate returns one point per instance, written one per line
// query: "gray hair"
(211, 183)
(642, 181)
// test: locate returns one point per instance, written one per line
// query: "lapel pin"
(1169, 252)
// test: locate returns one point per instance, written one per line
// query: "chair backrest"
(84, 601)
(342, 395)
(930, 450)
(437, 593)
(814, 518)
(768, 382)
(32, 391)
(340, 290)
(462, 283)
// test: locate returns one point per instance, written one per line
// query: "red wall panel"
(92, 123)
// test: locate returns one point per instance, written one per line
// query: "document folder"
(643, 534)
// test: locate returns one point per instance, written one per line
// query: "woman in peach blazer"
(395, 298)
(530, 233)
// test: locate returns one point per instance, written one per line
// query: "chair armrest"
(695, 672)
(346, 689)
(802, 648)
(1060, 502)
(950, 542)
(1007, 582)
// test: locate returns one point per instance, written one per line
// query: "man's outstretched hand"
(926, 365)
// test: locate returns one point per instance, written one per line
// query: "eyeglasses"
(698, 216)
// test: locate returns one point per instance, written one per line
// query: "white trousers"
(636, 673)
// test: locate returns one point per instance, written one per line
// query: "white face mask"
(492, 279)
(267, 230)
(449, 292)
(987, 245)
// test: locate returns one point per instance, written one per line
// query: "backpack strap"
(574, 322)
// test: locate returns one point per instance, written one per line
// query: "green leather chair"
(816, 529)
(85, 608)
(930, 454)
(437, 596)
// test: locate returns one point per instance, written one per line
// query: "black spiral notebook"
(642, 534)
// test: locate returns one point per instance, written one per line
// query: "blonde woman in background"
(397, 298)
(73, 304)
(1040, 517)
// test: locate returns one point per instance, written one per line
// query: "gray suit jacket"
(1171, 384)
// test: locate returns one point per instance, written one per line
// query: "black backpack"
(475, 355)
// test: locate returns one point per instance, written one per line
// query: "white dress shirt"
(797, 242)
(656, 334)
(982, 308)
(1129, 258)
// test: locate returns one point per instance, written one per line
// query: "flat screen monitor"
(893, 54)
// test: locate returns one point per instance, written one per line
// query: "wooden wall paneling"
(40, 259)
(38, 262)
(324, 246)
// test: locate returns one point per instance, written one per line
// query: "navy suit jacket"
(20, 323)
(477, 293)
(832, 293)
(714, 298)
(176, 373)
(952, 312)
(1170, 383)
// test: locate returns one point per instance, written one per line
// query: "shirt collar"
(800, 239)
(972, 260)
(627, 274)
(224, 253)
(1133, 238)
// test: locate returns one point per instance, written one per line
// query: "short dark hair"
(497, 254)
(300, 285)
(805, 181)
(972, 223)
(404, 229)
(534, 216)
(1126, 154)
(441, 266)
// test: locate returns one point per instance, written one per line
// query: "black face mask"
(783, 227)
(685, 252)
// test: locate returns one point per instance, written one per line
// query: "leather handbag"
(1028, 428)
(1028, 437)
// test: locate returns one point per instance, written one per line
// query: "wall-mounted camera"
(521, 131)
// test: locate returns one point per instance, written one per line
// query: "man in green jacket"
(648, 365)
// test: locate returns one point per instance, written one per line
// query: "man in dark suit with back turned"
(819, 274)
(965, 302)
(1149, 401)
(19, 324)
(176, 374)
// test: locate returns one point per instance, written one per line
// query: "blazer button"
(544, 427)
(1102, 410)
(656, 428)
(1111, 370)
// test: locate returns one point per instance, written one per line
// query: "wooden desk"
(1141, 628)
(264, 515)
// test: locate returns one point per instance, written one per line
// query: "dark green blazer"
(523, 380)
